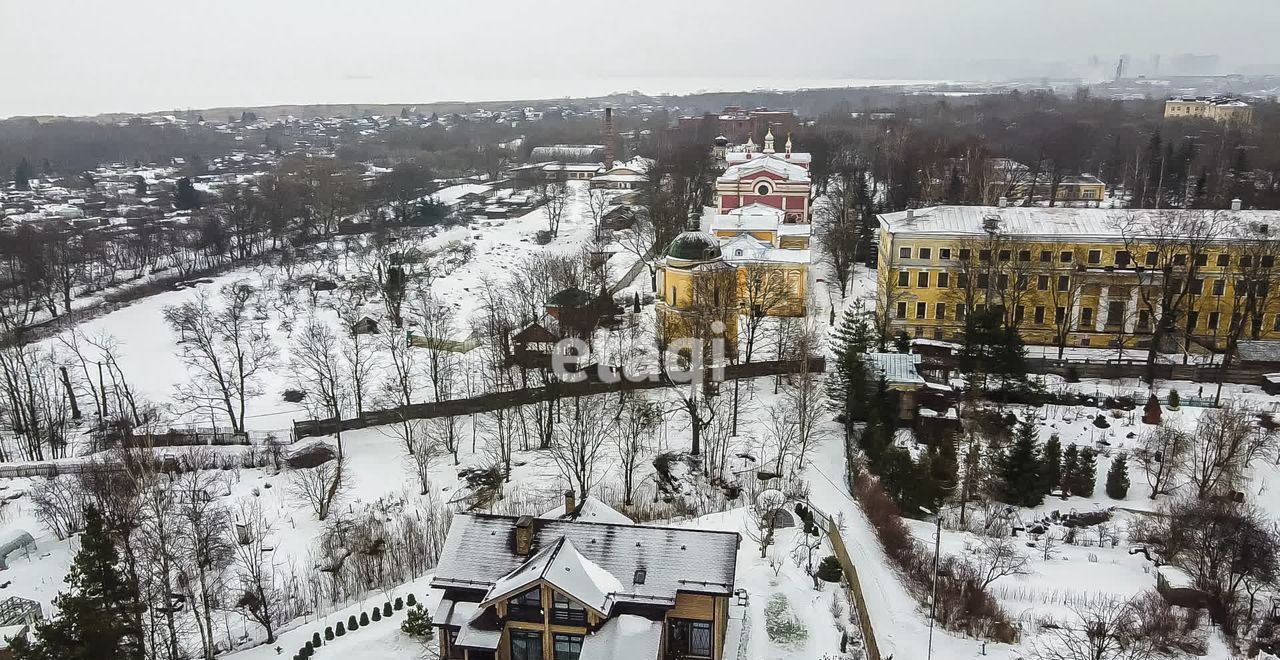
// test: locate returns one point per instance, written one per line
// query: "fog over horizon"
(84, 57)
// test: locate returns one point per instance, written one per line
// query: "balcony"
(525, 613)
(563, 617)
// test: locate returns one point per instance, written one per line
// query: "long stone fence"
(520, 397)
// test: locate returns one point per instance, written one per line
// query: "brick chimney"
(570, 502)
(524, 535)
(1237, 204)
(609, 152)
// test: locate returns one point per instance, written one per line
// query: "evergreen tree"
(1020, 477)
(848, 386)
(1118, 478)
(1050, 465)
(1086, 476)
(94, 619)
(990, 347)
(22, 175)
(186, 197)
(140, 186)
(1070, 466)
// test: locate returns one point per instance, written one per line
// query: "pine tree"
(94, 620)
(1020, 478)
(1070, 465)
(186, 197)
(1050, 465)
(848, 386)
(22, 175)
(1086, 476)
(1118, 478)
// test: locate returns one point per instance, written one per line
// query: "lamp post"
(933, 598)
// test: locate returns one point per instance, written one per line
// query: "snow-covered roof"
(1057, 223)
(590, 509)
(453, 194)
(766, 163)
(745, 247)
(1176, 578)
(753, 217)
(626, 637)
(561, 565)
(735, 157)
(1258, 351)
(479, 551)
(897, 368)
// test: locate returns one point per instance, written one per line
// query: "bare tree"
(224, 349)
(320, 487)
(438, 325)
(638, 420)
(997, 558)
(1171, 247)
(764, 519)
(1226, 442)
(764, 294)
(316, 370)
(598, 201)
(580, 442)
(1163, 454)
(205, 546)
(260, 597)
(554, 197)
(1105, 631)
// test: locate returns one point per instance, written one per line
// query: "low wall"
(521, 397)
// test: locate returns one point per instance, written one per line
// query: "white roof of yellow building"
(1057, 222)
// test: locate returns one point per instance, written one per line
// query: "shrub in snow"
(377, 614)
(352, 624)
(328, 634)
(315, 640)
(1174, 399)
(830, 570)
(781, 623)
(341, 630)
(399, 603)
(386, 609)
(364, 619)
(1101, 422)
(417, 623)
(543, 237)
(1118, 478)
(412, 600)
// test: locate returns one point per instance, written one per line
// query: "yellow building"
(1082, 277)
(697, 292)
(1218, 108)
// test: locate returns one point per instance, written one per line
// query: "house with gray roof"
(525, 588)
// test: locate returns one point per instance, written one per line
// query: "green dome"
(694, 246)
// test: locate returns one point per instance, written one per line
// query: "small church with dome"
(747, 255)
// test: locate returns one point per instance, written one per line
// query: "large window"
(526, 644)
(567, 647)
(567, 612)
(690, 639)
(527, 606)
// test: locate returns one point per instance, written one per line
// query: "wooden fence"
(513, 398)
(851, 581)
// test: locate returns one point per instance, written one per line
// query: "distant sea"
(124, 96)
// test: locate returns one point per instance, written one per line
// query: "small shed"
(365, 326)
(900, 373)
(1262, 354)
(1178, 588)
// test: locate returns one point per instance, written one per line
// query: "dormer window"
(763, 189)
(527, 606)
(567, 612)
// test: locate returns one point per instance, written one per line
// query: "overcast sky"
(93, 56)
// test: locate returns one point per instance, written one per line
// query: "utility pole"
(933, 599)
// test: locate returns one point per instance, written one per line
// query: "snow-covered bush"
(782, 625)
(417, 624)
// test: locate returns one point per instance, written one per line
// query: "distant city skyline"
(83, 57)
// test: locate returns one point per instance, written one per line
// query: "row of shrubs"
(963, 605)
(352, 624)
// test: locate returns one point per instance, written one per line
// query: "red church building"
(777, 180)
